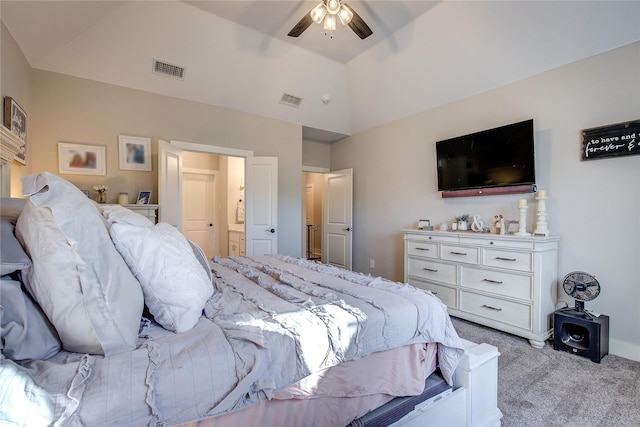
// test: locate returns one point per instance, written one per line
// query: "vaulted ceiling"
(236, 54)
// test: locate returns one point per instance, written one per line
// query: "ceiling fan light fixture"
(345, 15)
(318, 13)
(330, 22)
(333, 6)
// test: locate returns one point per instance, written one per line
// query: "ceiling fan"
(330, 11)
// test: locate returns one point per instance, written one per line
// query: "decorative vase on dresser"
(505, 282)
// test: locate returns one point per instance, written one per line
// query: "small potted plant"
(463, 221)
(102, 193)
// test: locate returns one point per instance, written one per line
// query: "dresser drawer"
(425, 249)
(518, 261)
(445, 294)
(430, 270)
(511, 313)
(506, 242)
(498, 282)
(460, 254)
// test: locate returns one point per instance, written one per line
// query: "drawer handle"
(491, 308)
(497, 282)
(505, 259)
(430, 269)
(457, 253)
(422, 249)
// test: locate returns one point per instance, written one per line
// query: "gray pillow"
(25, 332)
(12, 255)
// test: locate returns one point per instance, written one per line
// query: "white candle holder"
(522, 225)
(541, 225)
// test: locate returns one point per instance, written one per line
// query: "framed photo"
(135, 153)
(512, 226)
(15, 119)
(144, 198)
(81, 159)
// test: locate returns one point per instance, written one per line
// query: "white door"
(169, 184)
(198, 210)
(261, 205)
(337, 218)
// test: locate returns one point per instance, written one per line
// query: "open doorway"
(213, 202)
(313, 200)
(327, 212)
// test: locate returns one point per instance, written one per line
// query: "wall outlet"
(372, 263)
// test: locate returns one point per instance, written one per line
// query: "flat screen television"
(493, 161)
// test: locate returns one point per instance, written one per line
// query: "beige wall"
(15, 81)
(593, 206)
(70, 109)
(316, 154)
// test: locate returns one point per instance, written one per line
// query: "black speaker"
(581, 334)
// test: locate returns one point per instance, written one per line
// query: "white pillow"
(174, 283)
(77, 277)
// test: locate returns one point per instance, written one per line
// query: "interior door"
(338, 218)
(170, 184)
(198, 209)
(261, 205)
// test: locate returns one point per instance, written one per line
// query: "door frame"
(230, 152)
(303, 213)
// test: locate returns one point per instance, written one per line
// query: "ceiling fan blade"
(358, 25)
(302, 25)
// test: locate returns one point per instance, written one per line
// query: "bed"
(108, 319)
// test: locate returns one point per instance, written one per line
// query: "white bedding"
(272, 321)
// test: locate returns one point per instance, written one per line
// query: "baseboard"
(624, 349)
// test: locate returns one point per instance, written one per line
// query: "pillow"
(120, 214)
(12, 255)
(202, 259)
(25, 331)
(11, 207)
(174, 284)
(77, 277)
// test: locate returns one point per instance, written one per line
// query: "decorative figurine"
(541, 225)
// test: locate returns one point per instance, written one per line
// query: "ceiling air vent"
(290, 100)
(168, 70)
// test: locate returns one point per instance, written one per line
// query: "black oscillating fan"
(582, 287)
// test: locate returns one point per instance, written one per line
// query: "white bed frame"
(475, 388)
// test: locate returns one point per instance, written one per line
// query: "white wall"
(593, 206)
(462, 48)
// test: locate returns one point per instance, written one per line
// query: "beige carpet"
(545, 388)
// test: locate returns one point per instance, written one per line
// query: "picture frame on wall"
(81, 159)
(144, 198)
(135, 153)
(15, 119)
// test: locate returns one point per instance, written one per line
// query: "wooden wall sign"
(620, 139)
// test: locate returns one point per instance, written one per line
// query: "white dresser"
(149, 211)
(505, 282)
